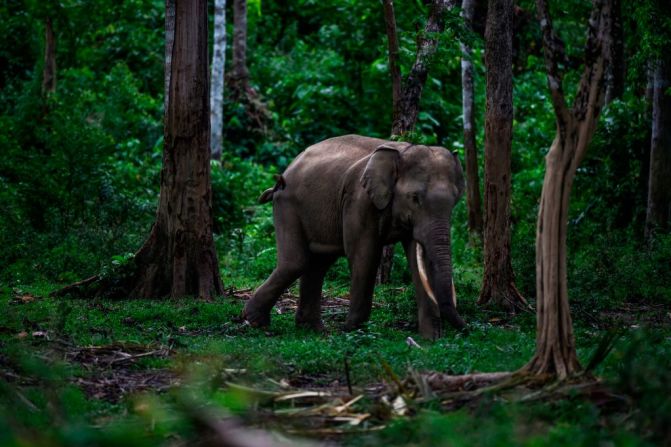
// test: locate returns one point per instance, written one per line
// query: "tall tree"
(406, 95)
(49, 70)
(555, 345)
(413, 84)
(217, 80)
(498, 282)
(179, 257)
(240, 73)
(473, 201)
(616, 71)
(394, 51)
(169, 41)
(658, 213)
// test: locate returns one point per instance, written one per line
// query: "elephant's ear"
(380, 175)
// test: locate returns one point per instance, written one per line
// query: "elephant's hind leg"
(308, 314)
(292, 256)
(257, 310)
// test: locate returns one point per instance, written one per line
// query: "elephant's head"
(421, 185)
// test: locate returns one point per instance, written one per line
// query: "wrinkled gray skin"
(350, 196)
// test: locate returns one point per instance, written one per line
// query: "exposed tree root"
(506, 297)
(112, 283)
(457, 391)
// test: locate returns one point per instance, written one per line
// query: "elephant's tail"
(267, 195)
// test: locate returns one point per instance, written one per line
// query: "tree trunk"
(240, 74)
(658, 215)
(413, 85)
(169, 41)
(179, 257)
(49, 70)
(387, 260)
(394, 51)
(498, 282)
(217, 80)
(555, 345)
(615, 71)
(473, 201)
(406, 96)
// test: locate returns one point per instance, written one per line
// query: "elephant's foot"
(256, 317)
(311, 324)
(352, 324)
(430, 328)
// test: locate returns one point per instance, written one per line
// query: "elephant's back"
(314, 183)
(336, 154)
(326, 162)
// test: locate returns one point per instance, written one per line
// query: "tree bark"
(217, 80)
(555, 345)
(473, 201)
(240, 73)
(498, 282)
(179, 258)
(394, 51)
(169, 41)
(615, 71)
(405, 106)
(386, 262)
(49, 70)
(413, 85)
(658, 215)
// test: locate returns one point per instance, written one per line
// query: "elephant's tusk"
(454, 295)
(422, 273)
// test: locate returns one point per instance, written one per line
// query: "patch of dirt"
(288, 303)
(116, 354)
(113, 372)
(113, 385)
(631, 315)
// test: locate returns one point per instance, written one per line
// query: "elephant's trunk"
(435, 270)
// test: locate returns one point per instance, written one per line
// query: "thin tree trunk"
(217, 80)
(49, 71)
(179, 257)
(473, 201)
(169, 41)
(555, 345)
(658, 215)
(406, 96)
(240, 74)
(413, 85)
(498, 282)
(394, 51)
(615, 71)
(387, 260)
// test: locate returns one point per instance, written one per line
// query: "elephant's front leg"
(308, 314)
(364, 259)
(428, 314)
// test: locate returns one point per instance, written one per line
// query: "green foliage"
(643, 373)
(55, 407)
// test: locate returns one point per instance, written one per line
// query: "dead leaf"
(399, 407)
(412, 343)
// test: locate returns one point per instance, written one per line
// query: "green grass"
(47, 403)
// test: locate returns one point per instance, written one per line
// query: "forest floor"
(100, 370)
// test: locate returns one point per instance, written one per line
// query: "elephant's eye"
(415, 198)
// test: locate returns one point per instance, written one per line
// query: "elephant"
(350, 196)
